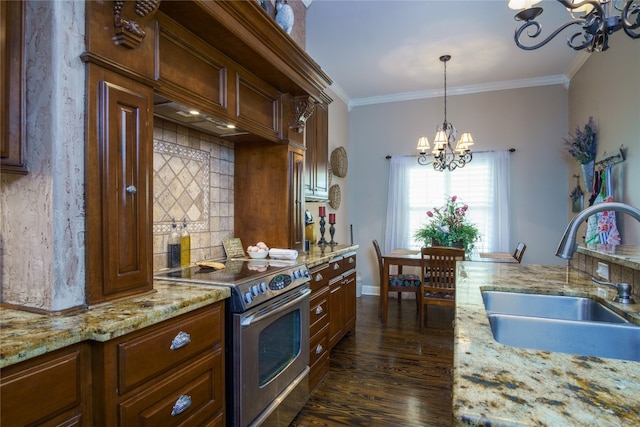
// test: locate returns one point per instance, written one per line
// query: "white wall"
(607, 87)
(531, 120)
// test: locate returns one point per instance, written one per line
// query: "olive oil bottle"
(174, 247)
(185, 245)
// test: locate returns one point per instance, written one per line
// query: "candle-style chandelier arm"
(538, 29)
(630, 8)
(598, 23)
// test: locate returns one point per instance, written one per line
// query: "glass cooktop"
(236, 271)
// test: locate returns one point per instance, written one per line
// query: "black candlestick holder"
(322, 240)
(332, 231)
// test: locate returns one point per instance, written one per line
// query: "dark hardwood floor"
(387, 375)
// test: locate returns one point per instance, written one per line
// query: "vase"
(587, 174)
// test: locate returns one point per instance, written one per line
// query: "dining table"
(398, 258)
(412, 258)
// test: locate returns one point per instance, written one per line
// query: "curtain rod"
(511, 150)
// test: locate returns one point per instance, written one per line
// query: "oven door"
(271, 347)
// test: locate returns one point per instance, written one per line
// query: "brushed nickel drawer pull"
(181, 405)
(180, 340)
(336, 266)
(319, 309)
(319, 349)
(351, 260)
(319, 277)
(132, 189)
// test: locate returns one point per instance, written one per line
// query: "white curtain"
(483, 184)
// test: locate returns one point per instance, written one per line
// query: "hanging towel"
(592, 239)
(609, 237)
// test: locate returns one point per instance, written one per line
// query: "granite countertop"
(24, 335)
(319, 254)
(499, 385)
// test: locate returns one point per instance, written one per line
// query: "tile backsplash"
(193, 178)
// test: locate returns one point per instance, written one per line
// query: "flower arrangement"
(582, 145)
(449, 226)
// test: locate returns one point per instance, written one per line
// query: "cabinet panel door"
(126, 161)
(297, 210)
(47, 390)
(12, 144)
(336, 311)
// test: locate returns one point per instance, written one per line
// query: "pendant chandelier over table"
(443, 153)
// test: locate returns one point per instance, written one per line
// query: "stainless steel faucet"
(567, 245)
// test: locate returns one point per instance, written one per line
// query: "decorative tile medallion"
(180, 186)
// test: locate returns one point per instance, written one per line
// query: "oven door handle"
(248, 320)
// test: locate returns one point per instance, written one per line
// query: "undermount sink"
(561, 323)
(554, 306)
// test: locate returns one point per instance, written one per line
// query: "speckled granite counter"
(24, 335)
(499, 385)
(319, 254)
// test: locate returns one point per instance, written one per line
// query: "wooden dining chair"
(519, 252)
(438, 277)
(399, 282)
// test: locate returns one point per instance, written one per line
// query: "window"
(482, 184)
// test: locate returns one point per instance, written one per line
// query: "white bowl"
(258, 255)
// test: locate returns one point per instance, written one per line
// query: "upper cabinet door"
(119, 191)
(317, 155)
(12, 144)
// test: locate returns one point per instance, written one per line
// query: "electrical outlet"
(603, 270)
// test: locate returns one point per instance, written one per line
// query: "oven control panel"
(261, 289)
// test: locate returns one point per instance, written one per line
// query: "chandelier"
(444, 156)
(598, 19)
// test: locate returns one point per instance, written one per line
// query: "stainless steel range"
(267, 337)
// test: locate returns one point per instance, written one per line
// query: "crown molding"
(461, 90)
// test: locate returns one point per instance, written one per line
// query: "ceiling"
(380, 51)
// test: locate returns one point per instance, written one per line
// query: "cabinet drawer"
(335, 267)
(348, 262)
(320, 276)
(319, 357)
(147, 355)
(54, 381)
(319, 346)
(319, 311)
(200, 384)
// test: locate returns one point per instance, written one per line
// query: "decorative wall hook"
(130, 18)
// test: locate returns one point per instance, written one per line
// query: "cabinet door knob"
(336, 266)
(132, 189)
(319, 349)
(318, 277)
(180, 340)
(181, 405)
(319, 309)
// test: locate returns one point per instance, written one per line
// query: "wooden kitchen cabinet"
(269, 195)
(171, 373)
(119, 178)
(316, 178)
(332, 311)
(12, 138)
(49, 390)
(342, 304)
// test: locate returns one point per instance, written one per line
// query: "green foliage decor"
(449, 226)
(582, 145)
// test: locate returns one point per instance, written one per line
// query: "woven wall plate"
(339, 162)
(335, 196)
